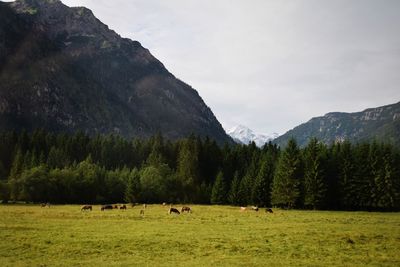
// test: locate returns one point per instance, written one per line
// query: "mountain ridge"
(63, 70)
(379, 123)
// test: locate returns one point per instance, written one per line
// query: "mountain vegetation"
(60, 168)
(380, 124)
(63, 70)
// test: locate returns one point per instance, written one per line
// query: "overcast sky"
(269, 65)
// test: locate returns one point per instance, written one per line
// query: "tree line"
(62, 168)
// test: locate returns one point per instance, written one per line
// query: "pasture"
(210, 236)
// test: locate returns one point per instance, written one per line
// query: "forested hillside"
(380, 123)
(80, 169)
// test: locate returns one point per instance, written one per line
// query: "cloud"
(269, 65)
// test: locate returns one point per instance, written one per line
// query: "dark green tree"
(314, 175)
(132, 191)
(218, 193)
(288, 179)
(233, 195)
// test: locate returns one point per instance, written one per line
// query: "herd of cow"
(170, 211)
(123, 207)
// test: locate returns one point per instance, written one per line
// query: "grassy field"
(210, 236)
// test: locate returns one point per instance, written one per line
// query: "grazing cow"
(173, 210)
(255, 208)
(243, 208)
(141, 212)
(45, 205)
(164, 203)
(123, 207)
(86, 207)
(144, 206)
(106, 207)
(133, 205)
(187, 209)
(269, 210)
(115, 207)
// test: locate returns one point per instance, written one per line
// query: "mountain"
(381, 124)
(243, 135)
(63, 70)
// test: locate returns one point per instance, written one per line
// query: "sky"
(269, 65)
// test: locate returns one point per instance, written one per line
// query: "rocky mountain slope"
(64, 70)
(243, 135)
(381, 124)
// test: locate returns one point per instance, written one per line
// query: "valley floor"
(210, 236)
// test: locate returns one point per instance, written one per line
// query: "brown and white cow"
(122, 207)
(187, 209)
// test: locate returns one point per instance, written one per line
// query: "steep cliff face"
(64, 70)
(381, 124)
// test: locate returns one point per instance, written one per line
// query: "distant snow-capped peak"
(244, 135)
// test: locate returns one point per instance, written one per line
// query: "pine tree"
(3, 172)
(233, 195)
(17, 165)
(288, 180)
(388, 182)
(187, 170)
(314, 175)
(261, 193)
(348, 186)
(218, 193)
(132, 190)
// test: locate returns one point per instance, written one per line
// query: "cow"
(173, 210)
(106, 207)
(164, 203)
(115, 207)
(45, 205)
(86, 207)
(269, 210)
(123, 207)
(144, 206)
(142, 212)
(255, 208)
(187, 209)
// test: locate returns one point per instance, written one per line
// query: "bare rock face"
(381, 124)
(63, 70)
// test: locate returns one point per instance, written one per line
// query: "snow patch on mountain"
(242, 134)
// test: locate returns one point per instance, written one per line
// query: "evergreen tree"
(288, 180)
(314, 175)
(348, 185)
(188, 171)
(4, 191)
(17, 165)
(261, 194)
(132, 191)
(233, 195)
(218, 193)
(3, 172)
(388, 183)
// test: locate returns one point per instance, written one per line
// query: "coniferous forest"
(61, 168)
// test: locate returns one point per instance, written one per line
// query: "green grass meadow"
(210, 236)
